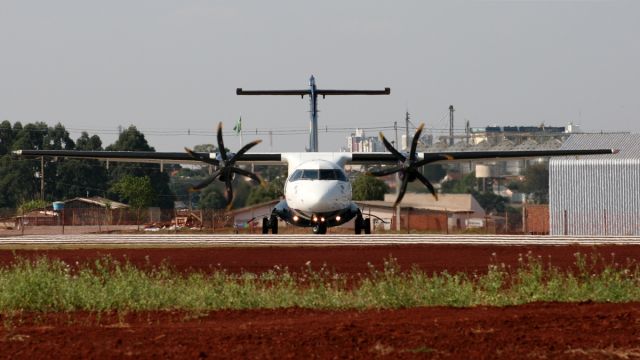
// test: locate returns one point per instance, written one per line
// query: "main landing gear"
(362, 224)
(270, 223)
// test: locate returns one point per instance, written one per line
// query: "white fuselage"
(318, 187)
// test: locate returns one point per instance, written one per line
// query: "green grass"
(47, 285)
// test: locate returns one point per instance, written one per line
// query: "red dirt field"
(342, 259)
(551, 330)
(540, 330)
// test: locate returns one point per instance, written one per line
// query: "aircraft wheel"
(358, 224)
(367, 225)
(265, 225)
(273, 221)
(319, 229)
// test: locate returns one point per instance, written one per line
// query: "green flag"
(238, 127)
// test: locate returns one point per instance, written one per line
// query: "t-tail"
(313, 93)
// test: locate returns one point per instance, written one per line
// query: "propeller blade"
(414, 142)
(206, 182)
(200, 157)
(221, 149)
(244, 150)
(229, 190)
(246, 173)
(426, 183)
(436, 157)
(391, 148)
(403, 189)
(385, 171)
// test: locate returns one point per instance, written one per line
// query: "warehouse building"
(596, 195)
(421, 211)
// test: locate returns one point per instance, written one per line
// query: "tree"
(273, 190)
(536, 183)
(366, 187)
(85, 177)
(434, 172)
(136, 191)
(6, 137)
(463, 186)
(133, 140)
(212, 198)
(87, 143)
(17, 181)
(491, 202)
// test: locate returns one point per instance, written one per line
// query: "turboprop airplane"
(317, 192)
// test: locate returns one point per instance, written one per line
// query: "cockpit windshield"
(322, 174)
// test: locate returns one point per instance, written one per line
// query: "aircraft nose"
(324, 200)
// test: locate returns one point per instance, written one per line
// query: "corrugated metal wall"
(597, 195)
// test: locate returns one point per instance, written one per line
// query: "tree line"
(20, 178)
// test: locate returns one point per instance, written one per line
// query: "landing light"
(295, 218)
(338, 218)
(322, 219)
(315, 219)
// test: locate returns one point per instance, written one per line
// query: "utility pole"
(406, 130)
(451, 110)
(397, 209)
(467, 131)
(42, 178)
(395, 127)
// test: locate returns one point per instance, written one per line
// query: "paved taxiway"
(200, 240)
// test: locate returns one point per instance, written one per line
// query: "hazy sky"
(171, 67)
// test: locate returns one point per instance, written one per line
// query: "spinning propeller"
(226, 166)
(408, 167)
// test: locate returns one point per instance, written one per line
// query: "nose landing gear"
(320, 229)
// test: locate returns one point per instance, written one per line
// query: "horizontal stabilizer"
(239, 91)
(323, 92)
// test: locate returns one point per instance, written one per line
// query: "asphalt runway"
(226, 240)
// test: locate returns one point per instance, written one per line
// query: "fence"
(536, 219)
(100, 219)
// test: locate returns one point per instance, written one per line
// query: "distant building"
(517, 135)
(94, 211)
(596, 195)
(420, 211)
(358, 142)
(250, 217)
(496, 173)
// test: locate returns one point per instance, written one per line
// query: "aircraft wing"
(432, 157)
(146, 156)
(280, 158)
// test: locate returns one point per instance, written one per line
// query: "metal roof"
(452, 203)
(99, 201)
(628, 144)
